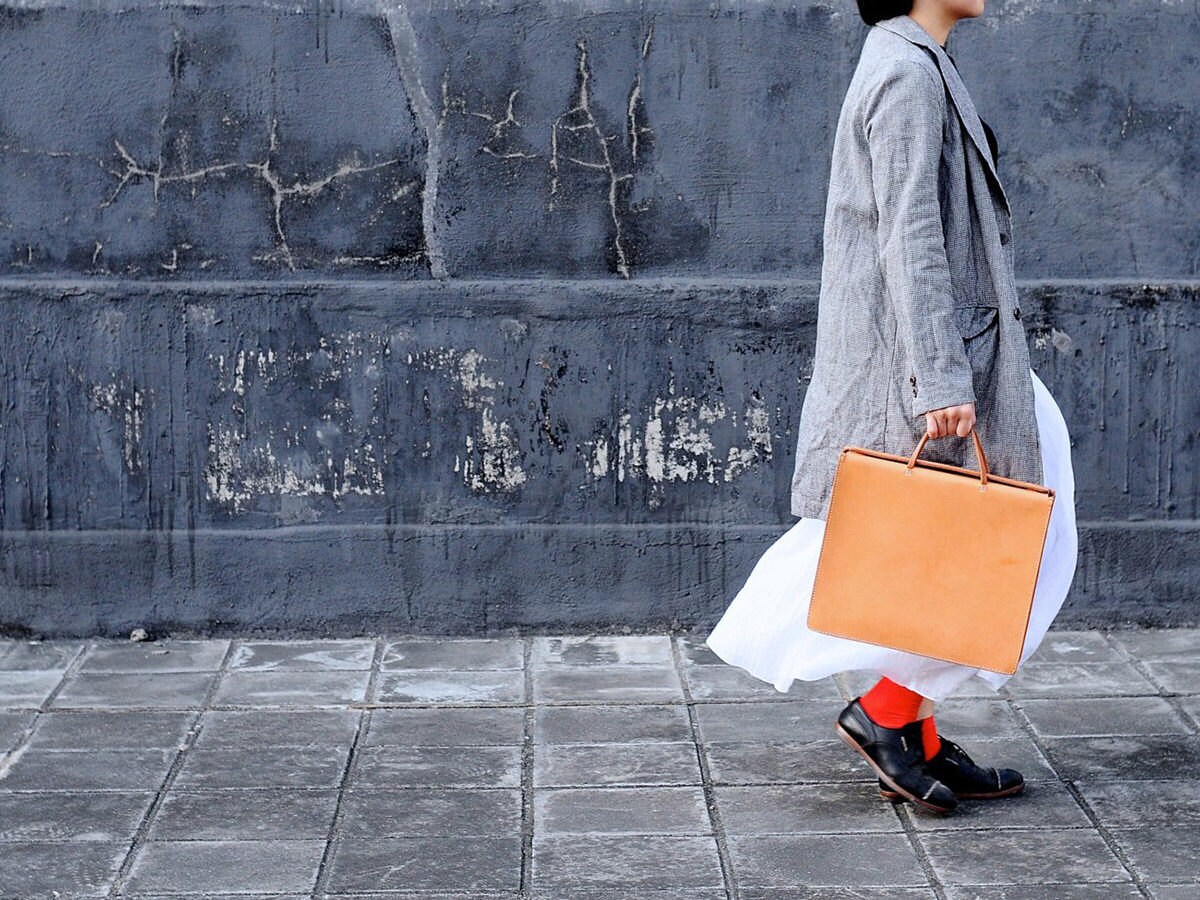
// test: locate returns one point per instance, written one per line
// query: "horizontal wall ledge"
(479, 580)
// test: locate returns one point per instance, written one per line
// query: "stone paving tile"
(616, 773)
(302, 656)
(438, 766)
(792, 720)
(1097, 716)
(1043, 804)
(968, 720)
(105, 730)
(288, 688)
(37, 655)
(612, 763)
(567, 865)
(837, 860)
(231, 866)
(27, 690)
(35, 769)
(1191, 706)
(262, 767)
(1130, 804)
(602, 650)
(35, 869)
(1172, 891)
(1162, 853)
(607, 684)
(70, 816)
(1044, 892)
(145, 657)
(807, 808)
(256, 728)
(795, 762)
(446, 727)
(836, 893)
(1132, 757)
(597, 724)
(420, 811)
(466, 863)
(695, 652)
(474, 653)
(1075, 647)
(1176, 676)
(630, 810)
(464, 687)
(1160, 643)
(728, 683)
(1003, 856)
(112, 690)
(1079, 680)
(13, 725)
(245, 815)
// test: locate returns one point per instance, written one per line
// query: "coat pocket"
(972, 321)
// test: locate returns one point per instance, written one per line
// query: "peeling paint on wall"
(127, 407)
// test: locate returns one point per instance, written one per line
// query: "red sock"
(929, 737)
(891, 705)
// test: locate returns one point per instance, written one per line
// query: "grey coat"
(918, 304)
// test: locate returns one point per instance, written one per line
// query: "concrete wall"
(456, 317)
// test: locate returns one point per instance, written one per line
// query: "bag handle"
(979, 456)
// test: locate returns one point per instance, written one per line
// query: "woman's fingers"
(957, 420)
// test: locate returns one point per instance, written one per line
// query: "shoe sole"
(994, 795)
(899, 791)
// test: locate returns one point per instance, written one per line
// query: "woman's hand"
(950, 420)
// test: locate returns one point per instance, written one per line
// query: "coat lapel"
(907, 28)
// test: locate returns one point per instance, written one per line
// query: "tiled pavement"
(572, 767)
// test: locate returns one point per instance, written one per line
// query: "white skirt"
(765, 632)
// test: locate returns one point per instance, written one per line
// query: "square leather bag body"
(930, 558)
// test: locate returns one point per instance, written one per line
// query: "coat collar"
(907, 27)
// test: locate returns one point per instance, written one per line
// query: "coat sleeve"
(902, 121)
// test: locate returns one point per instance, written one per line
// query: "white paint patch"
(127, 406)
(241, 468)
(492, 460)
(676, 443)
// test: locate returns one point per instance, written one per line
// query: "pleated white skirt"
(764, 630)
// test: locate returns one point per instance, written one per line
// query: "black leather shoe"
(896, 756)
(954, 768)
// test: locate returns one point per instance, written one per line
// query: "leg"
(882, 727)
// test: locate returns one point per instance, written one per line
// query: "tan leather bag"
(930, 558)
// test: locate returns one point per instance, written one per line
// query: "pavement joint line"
(732, 891)
(143, 827)
(842, 681)
(1171, 698)
(339, 811)
(904, 814)
(1096, 825)
(16, 752)
(528, 722)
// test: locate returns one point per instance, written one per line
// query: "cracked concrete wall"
(338, 318)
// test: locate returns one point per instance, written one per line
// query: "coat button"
(1016, 313)
(1004, 237)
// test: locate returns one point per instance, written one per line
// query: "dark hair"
(873, 11)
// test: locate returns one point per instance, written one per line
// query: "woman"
(918, 331)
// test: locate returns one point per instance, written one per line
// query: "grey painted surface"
(454, 318)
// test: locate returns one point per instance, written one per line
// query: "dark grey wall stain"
(460, 318)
